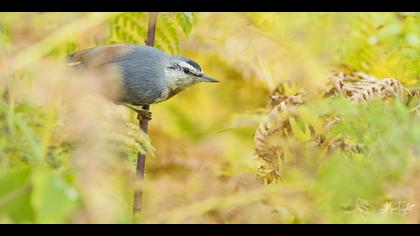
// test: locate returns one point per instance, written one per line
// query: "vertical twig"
(141, 159)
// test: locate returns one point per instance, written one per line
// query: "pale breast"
(163, 96)
(166, 94)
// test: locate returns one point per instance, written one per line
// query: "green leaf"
(52, 199)
(15, 195)
(301, 131)
(185, 21)
(32, 138)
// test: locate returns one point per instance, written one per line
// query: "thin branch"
(144, 123)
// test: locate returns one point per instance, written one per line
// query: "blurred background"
(68, 155)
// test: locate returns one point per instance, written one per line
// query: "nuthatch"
(148, 74)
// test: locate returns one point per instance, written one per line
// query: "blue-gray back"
(143, 74)
(142, 68)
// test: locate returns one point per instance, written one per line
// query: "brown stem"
(141, 158)
(151, 31)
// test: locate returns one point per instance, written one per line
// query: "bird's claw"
(143, 114)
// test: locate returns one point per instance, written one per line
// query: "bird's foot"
(141, 113)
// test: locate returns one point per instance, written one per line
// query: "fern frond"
(132, 28)
(368, 88)
(281, 123)
(277, 122)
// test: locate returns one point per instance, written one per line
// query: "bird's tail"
(72, 60)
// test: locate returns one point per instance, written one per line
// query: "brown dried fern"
(357, 87)
(276, 123)
(362, 88)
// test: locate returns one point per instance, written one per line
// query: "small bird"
(148, 74)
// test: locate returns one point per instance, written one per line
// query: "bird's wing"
(98, 56)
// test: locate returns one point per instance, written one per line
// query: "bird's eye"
(186, 70)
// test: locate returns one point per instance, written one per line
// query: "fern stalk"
(144, 123)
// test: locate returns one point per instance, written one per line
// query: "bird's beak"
(208, 79)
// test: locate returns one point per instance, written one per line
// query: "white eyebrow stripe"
(192, 69)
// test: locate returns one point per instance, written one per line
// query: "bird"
(148, 74)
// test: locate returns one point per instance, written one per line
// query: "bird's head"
(183, 72)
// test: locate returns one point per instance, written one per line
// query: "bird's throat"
(174, 92)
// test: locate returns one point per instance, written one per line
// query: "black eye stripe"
(186, 70)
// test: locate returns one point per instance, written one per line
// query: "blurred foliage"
(67, 154)
(132, 28)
